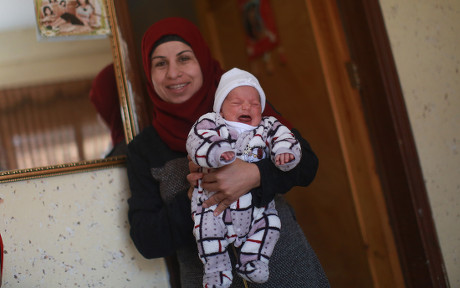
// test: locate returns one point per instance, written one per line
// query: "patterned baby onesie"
(253, 231)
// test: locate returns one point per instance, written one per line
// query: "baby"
(236, 128)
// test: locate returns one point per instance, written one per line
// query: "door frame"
(393, 143)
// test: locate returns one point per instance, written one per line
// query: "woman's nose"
(173, 71)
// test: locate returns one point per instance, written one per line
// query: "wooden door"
(343, 212)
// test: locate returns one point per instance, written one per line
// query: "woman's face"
(47, 11)
(175, 73)
(242, 105)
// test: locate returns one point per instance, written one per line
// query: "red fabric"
(173, 121)
(104, 96)
(1, 259)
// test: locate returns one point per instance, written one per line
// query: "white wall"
(425, 38)
(72, 231)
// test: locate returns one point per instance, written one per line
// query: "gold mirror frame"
(60, 169)
(128, 116)
(129, 73)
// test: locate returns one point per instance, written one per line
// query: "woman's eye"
(159, 63)
(184, 58)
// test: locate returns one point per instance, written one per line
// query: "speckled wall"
(72, 231)
(425, 38)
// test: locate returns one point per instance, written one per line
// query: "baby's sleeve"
(207, 140)
(282, 140)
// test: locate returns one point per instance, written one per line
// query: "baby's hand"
(284, 158)
(227, 156)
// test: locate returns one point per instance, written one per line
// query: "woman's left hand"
(230, 182)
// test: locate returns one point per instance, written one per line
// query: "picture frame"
(58, 20)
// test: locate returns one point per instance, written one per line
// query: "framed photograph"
(71, 19)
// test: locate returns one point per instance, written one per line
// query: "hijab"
(104, 96)
(174, 121)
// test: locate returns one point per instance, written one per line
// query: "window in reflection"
(50, 124)
(39, 149)
(97, 140)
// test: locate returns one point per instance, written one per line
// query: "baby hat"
(232, 79)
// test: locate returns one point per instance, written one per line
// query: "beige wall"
(25, 61)
(425, 38)
(72, 231)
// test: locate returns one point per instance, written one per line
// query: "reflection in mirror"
(47, 119)
(50, 124)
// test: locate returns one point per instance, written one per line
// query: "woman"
(182, 79)
(48, 15)
(104, 96)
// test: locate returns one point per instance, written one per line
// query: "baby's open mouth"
(244, 118)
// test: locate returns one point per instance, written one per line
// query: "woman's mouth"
(177, 86)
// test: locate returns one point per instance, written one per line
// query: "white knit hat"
(236, 78)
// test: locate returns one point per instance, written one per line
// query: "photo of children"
(59, 19)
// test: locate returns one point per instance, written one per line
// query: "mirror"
(48, 124)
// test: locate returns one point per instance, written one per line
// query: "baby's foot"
(221, 279)
(254, 271)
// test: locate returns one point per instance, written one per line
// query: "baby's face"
(242, 104)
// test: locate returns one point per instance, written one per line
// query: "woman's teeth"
(178, 86)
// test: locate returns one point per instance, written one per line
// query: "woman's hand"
(229, 182)
(194, 176)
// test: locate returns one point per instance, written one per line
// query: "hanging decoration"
(71, 19)
(260, 30)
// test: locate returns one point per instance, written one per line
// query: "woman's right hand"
(193, 176)
(229, 183)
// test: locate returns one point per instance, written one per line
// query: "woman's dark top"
(159, 208)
